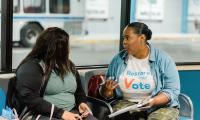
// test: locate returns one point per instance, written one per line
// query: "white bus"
(32, 16)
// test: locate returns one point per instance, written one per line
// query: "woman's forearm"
(160, 99)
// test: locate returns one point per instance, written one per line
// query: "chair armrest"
(98, 102)
(186, 107)
(99, 108)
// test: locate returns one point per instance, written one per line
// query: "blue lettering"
(148, 73)
(147, 86)
(135, 86)
(128, 72)
(131, 73)
(142, 73)
(140, 86)
(135, 73)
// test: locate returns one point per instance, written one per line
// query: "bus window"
(59, 6)
(16, 6)
(34, 6)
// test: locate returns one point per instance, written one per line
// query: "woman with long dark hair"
(48, 82)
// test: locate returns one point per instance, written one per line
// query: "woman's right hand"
(109, 87)
(71, 116)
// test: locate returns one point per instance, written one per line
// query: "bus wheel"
(29, 33)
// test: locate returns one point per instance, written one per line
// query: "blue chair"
(2, 100)
(186, 107)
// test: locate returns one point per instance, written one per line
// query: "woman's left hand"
(146, 104)
(151, 102)
(84, 110)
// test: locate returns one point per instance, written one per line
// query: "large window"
(177, 33)
(93, 41)
(97, 40)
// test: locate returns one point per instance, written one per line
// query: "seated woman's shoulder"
(29, 66)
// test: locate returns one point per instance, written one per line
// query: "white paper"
(133, 107)
(138, 106)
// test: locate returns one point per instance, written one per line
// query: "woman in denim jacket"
(142, 72)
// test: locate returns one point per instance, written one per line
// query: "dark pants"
(33, 117)
(132, 116)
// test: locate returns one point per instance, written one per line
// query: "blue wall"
(2, 99)
(190, 85)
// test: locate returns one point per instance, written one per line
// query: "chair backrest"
(89, 78)
(100, 108)
(186, 107)
(93, 86)
(10, 91)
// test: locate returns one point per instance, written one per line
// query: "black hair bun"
(149, 34)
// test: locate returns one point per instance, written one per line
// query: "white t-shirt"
(136, 82)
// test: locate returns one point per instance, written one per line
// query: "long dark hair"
(52, 46)
(141, 28)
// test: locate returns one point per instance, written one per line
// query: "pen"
(104, 81)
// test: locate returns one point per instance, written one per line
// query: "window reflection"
(34, 6)
(16, 6)
(59, 6)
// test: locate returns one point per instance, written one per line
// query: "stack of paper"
(138, 106)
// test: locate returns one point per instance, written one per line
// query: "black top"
(29, 79)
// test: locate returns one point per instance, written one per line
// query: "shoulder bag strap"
(44, 80)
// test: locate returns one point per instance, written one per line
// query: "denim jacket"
(162, 68)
